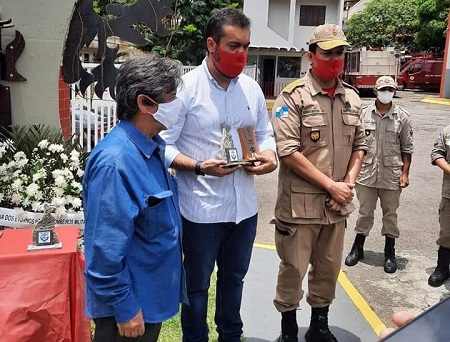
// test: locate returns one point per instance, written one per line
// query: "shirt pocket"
(315, 130)
(349, 127)
(392, 133)
(393, 166)
(158, 214)
(393, 161)
(307, 204)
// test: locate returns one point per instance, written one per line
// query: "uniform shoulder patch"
(400, 111)
(404, 111)
(346, 85)
(295, 84)
(282, 112)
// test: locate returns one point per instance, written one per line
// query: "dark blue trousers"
(230, 246)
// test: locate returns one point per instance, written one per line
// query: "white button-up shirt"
(197, 134)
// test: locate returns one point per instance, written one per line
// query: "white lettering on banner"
(16, 219)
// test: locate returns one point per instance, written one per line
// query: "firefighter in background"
(440, 156)
(321, 144)
(385, 170)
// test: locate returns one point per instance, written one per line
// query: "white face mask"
(385, 96)
(167, 113)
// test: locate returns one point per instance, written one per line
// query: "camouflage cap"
(328, 36)
(385, 82)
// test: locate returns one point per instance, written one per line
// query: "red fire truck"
(422, 72)
(416, 71)
(363, 67)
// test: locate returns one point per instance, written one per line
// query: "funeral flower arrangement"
(38, 167)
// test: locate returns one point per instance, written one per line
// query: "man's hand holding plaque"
(264, 163)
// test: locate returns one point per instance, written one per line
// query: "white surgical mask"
(167, 113)
(385, 96)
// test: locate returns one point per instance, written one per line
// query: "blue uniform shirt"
(132, 229)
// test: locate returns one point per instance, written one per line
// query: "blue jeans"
(230, 245)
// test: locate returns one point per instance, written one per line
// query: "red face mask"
(327, 69)
(230, 64)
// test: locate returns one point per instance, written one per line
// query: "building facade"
(280, 30)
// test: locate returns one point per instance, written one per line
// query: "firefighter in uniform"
(385, 170)
(320, 144)
(440, 156)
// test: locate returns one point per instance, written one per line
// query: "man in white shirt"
(218, 204)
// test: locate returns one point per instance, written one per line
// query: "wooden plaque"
(249, 143)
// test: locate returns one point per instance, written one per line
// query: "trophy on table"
(44, 235)
(249, 146)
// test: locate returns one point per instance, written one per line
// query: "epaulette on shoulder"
(403, 110)
(295, 84)
(346, 85)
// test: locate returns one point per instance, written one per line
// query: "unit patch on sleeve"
(282, 112)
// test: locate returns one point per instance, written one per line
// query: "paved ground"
(416, 248)
(262, 321)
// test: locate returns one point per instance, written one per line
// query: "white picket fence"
(92, 118)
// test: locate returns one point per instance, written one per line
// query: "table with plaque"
(42, 292)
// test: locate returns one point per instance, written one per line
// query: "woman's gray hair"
(150, 75)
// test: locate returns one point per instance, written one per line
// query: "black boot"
(441, 272)
(318, 328)
(390, 263)
(289, 327)
(357, 251)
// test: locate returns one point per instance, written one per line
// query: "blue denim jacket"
(132, 229)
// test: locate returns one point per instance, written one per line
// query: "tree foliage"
(432, 18)
(100, 5)
(384, 23)
(187, 42)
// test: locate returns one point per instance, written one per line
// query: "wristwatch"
(197, 168)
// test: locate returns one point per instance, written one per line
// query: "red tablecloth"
(42, 292)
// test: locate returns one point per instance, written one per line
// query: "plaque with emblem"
(228, 150)
(44, 235)
(232, 155)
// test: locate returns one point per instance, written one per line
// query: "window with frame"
(289, 67)
(417, 67)
(311, 15)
